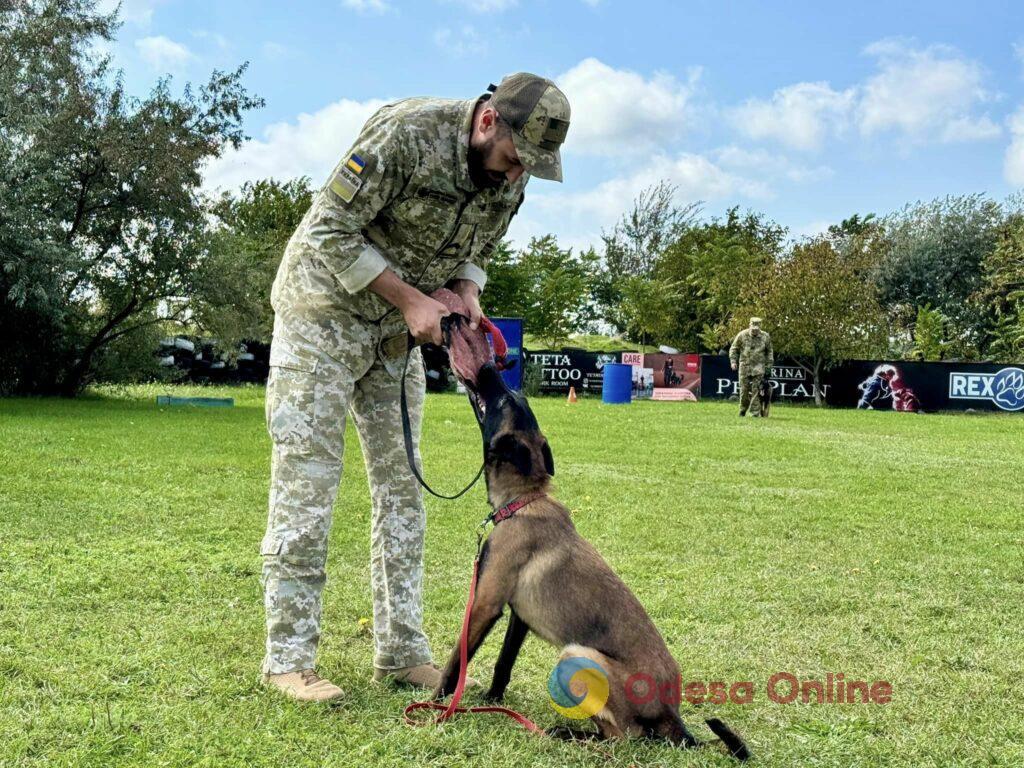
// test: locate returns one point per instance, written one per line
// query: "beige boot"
(421, 676)
(305, 685)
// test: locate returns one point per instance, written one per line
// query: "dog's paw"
(438, 693)
(494, 697)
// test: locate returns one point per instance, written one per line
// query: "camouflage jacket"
(401, 198)
(753, 354)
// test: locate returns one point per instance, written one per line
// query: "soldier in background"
(420, 201)
(751, 353)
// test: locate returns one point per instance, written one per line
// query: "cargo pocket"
(292, 394)
(271, 545)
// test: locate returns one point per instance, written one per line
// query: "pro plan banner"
(885, 385)
(790, 382)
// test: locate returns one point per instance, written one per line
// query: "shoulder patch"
(345, 184)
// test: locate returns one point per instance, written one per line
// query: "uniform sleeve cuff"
(363, 270)
(470, 271)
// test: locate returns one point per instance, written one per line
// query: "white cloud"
(811, 229)
(138, 13)
(367, 6)
(798, 116)
(163, 54)
(461, 42)
(1013, 164)
(768, 165)
(924, 93)
(616, 111)
(310, 146)
(578, 218)
(486, 6)
(273, 50)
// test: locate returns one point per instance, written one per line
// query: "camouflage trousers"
(750, 393)
(318, 375)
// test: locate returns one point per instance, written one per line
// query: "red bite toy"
(468, 350)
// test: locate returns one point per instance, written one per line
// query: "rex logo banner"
(1005, 388)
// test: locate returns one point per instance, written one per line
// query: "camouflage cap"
(538, 113)
(755, 322)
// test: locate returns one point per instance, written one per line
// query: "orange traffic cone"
(572, 395)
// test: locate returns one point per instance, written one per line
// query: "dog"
(764, 393)
(558, 586)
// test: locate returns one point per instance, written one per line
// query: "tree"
(1002, 292)
(935, 257)
(819, 306)
(648, 307)
(712, 262)
(929, 334)
(507, 292)
(231, 299)
(101, 218)
(634, 246)
(553, 287)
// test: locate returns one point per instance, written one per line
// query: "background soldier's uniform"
(402, 198)
(754, 356)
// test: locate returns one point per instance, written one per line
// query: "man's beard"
(480, 176)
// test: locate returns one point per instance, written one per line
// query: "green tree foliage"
(634, 248)
(507, 293)
(929, 334)
(1002, 292)
(248, 238)
(819, 306)
(649, 305)
(935, 254)
(547, 286)
(101, 220)
(713, 261)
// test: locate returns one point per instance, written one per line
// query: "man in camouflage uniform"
(751, 352)
(420, 201)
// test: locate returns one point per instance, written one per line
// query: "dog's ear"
(549, 460)
(512, 450)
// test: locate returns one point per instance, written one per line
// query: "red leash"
(453, 707)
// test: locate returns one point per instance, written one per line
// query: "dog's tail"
(736, 746)
(676, 731)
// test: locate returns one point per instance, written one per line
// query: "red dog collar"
(514, 506)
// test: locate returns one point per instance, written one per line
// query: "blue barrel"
(617, 386)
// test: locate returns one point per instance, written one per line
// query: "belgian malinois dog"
(764, 392)
(558, 586)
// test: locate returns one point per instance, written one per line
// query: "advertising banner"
(560, 370)
(885, 385)
(912, 386)
(512, 329)
(676, 377)
(790, 382)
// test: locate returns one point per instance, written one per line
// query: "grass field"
(880, 545)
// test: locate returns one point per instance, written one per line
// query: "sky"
(806, 111)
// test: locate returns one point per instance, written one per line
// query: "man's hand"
(422, 314)
(733, 366)
(469, 292)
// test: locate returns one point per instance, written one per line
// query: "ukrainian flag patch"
(355, 163)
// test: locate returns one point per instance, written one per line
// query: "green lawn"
(880, 545)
